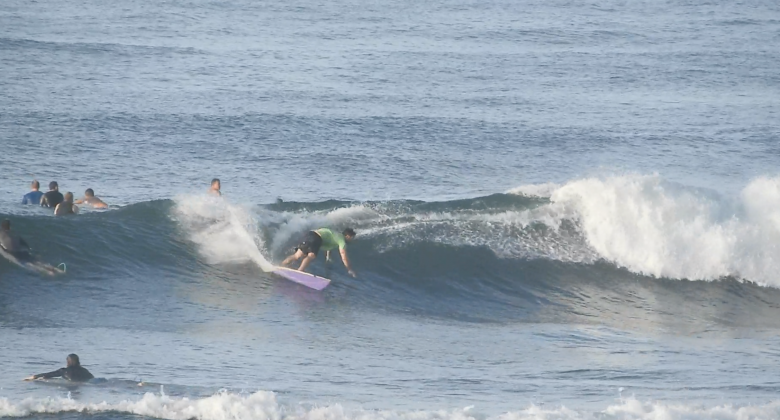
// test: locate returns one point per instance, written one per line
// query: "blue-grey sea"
(565, 210)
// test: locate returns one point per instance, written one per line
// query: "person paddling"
(73, 372)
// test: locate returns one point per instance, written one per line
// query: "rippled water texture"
(564, 210)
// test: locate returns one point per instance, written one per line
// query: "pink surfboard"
(306, 279)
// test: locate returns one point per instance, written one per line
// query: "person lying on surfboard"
(13, 243)
(74, 372)
(16, 250)
(326, 240)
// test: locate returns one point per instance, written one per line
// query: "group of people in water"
(62, 204)
(14, 247)
(309, 247)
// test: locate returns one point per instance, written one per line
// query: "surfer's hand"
(352, 273)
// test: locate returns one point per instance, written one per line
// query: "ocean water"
(565, 210)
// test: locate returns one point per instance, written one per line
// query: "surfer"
(34, 196)
(16, 250)
(53, 196)
(74, 372)
(66, 206)
(325, 239)
(89, 198)
(215, 187)
(13, 244)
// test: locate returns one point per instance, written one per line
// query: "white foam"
(633, 409)
(263, 405)
(655, 227)
(295, 224)
(224, 232)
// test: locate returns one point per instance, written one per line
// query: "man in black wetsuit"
(13, 244)
(53, 196)
(74, 372)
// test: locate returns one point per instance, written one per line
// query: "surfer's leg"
(294, 257)
(306, 261)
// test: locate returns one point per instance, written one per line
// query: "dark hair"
(89, 192)
(75, 359)
(68, 196)
(215, 180)
(6, 225)
(53, 185)
(35, 184)
(348, 232)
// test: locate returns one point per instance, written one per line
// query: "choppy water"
(565, 210)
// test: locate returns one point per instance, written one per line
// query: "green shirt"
(331, 240)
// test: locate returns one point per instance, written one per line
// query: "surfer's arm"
(345, 260)
(56, 374)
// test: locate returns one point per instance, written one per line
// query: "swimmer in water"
(326, 239)
(34, 196)
(74, 372)
(13, 244)
(52, 197)
(215, 187)
(89, 198)
(67, 206)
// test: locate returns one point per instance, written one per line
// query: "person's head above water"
(89, 193)
(5, 225)
(69, 196)
(35, 185)
(73, 360)
(215, 184)
(53, 186)
(349, 234)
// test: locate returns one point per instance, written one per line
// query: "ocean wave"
(265, 405)
(594, 250)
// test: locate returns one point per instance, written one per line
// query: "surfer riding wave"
(325, 239)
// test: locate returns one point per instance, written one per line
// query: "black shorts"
(311, 243)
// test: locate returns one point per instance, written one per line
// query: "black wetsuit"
(16, 246)
(66, 207)
(52, 198)
(71, 373)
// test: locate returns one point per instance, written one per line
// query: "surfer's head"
(35, 185)
(73, 360)
(349, 234)
(5, 225)
(215, 184)
(53, 186)
(89, 192)
(69, 196)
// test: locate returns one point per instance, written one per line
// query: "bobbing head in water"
(73, 360)
(216, 185)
